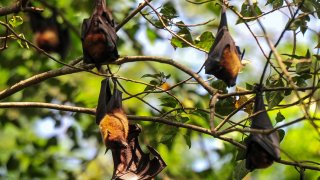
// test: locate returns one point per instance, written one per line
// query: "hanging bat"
(98, 36)
(49, 34)
(262, 149)
(224, 56)
(110, 117)
(132, 163)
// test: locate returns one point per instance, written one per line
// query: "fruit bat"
(98, 36)
(49, 34)
(110, 117)
(262, 149)
(132, 163)
(224, 56)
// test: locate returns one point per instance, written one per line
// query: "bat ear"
(104, 98)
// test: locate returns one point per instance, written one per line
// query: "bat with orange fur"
(110, 117)
(98, 36)
(130, 162)
(262, 149)
(224, 56)
(49, 34)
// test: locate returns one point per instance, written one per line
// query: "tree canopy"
(198, 125)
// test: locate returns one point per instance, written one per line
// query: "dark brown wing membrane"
(99, 37)
(133, 163)
(224, 57)
(262, 149)
(104, 99)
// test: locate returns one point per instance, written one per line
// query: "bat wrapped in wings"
(98, 36)
(130, 162)
(49, 34)
(110, 117)
(262, 149)
(224, 56)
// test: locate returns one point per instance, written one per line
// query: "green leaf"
(277, 3)
(187, 138)
(240, 170)
(246, 11)
(299, 81)
(281, 133)
(225, 106)
(15, 21)
(168, 11)
(150, 75)
(152, 35)
(200, 113)
(168, 138)
(303, 67)
(279, 117)
(185, 34)
(219, 84)
(274, 97)
(183, 119)
(294, 56)
(168, 102)
(249, 86)
(205, 40)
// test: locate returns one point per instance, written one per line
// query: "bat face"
(49, 35)
(99, 36)
(224, 58)
(262, 149)
(112, 120)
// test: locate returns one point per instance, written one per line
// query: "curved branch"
(18, 6)
(183, 68)
(41, 77)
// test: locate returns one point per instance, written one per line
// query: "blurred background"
(51, 144)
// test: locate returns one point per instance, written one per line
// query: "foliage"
(38, 142)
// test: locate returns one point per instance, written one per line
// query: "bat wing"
(115, 101)
(262, 121)
(137, 164)
(104, 98)
(262, 149)
(84, 31)
(270, 143)
(109, 32)
(224, 58)
(222, 40)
